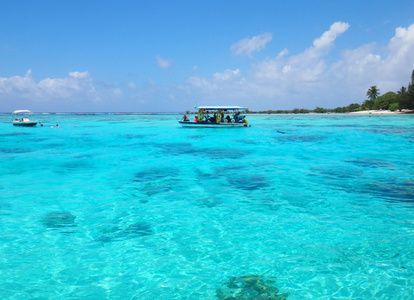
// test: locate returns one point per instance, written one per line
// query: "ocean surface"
(111, 206)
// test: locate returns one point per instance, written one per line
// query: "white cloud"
(226, 75)
(248, 46)
(355, 63)
(401, 49)
(76, 87)
(217, 82)
(79, 74)
(307, 79)
(286, 69)
(131, 85)
(163, 63)
(304, 67)
(328, 37)
(310, 78)
(370, 65)
(117, 92)
(227, 86)
(283, 53)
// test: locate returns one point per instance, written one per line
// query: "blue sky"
(165, 56)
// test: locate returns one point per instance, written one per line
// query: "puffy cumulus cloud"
(248, 46)
(357, 66)
(77, 83)
(309, 65)
(401, 50)
(163, 63)
(403, 39)
(369, 64)
(311, 78)
(17, 86)
(76, 87)
(304, 67)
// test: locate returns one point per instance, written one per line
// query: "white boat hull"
(26, 123)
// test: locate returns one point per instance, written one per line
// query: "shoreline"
(381, 112)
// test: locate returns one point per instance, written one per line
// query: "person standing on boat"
(185, 118)
(236, 117)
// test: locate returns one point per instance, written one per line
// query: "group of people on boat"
(24, 119)
(206, 118)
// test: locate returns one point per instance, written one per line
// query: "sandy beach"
(381, 112)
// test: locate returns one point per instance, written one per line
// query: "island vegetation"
(393, 101)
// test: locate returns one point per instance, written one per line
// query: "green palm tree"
(373, 92)
(402, 91)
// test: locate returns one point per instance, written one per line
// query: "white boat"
(24, 120)
(217, 116)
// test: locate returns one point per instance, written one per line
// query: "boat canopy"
(24, 111)
(221, 107)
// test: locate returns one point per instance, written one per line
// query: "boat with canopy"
(23, 120)
(217, 116)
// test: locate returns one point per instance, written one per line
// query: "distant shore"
(381, 112)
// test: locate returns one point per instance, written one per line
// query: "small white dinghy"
(24, 120)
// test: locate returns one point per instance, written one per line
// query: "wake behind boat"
(217, 116)
(24, 120)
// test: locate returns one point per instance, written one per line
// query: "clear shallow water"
(136, 207)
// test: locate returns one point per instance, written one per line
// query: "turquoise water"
(136, 207)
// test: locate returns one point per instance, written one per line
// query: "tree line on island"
(402, 99)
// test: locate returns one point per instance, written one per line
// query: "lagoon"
(112, 206)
